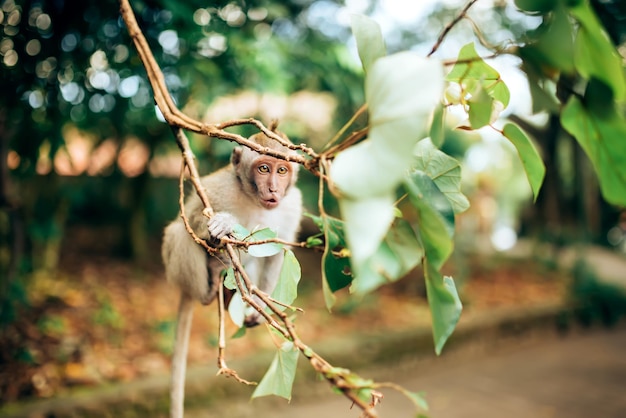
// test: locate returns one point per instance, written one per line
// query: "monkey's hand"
(221, 224)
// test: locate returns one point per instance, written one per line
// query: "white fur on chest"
(261, 218)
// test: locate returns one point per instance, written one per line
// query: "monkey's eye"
(282, 170)
(264, 168)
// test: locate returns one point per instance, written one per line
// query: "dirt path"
(579, 375)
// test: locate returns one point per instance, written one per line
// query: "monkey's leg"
(179, 358)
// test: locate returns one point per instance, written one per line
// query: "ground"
(106, 320)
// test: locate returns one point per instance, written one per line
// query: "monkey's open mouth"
(270, 203)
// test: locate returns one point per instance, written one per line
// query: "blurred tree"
(70, 63)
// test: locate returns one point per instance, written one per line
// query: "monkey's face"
(272, 178)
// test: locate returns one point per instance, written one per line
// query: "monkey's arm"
(186, 263)
(219, 188)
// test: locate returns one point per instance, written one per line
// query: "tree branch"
(175, 118)
(450, 25)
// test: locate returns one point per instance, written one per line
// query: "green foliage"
(108, 316)
(488, 95)
(474, 75)
(237, 309)
(563, 51)
(594, 53)
(435, 217)
(445, 305)
(595, 300)
(541, 6)
(286, 290)
(444, 170)
(369, 40)
(267, 249)
(52, 325)
(402, 91)
(278, 379)
(601, 135)
(164, 332)
(335, 262)
(554, 46)
(437, 128)
(399, 252)
(229, 279)
(531, 160)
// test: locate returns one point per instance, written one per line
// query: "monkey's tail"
(179, 358)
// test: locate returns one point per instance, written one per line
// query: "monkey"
(253, 190)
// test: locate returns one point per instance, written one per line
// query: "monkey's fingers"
(221, 224)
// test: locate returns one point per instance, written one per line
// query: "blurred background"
(89, 169)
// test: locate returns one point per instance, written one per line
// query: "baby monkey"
(255, 191)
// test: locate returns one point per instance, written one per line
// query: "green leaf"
(444, 170)
(237, 309)
(240, 333)
(553, 48)
(369, 39)
(240, 232)
(445, 305)
(263, 250)
(435, 217)
(542, 90)
(471, 67)
(418, 399)
(229, 280)
(335, 269)
(286, 290)
(602, 138)
(541, 6)
(595, 55)
(398, 254)
(313, 242)
(472, 71)
(366, 223)
(480, 105)
(278, 379)
(437, 127)
(401, 90)
(531, 160)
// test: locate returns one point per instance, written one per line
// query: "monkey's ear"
(235, 157)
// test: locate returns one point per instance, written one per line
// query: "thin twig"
(450, 25)
(188, 157)
(268, 132)
(345, 127)
(223, 368)
(247, 244)
(354, 137)
(181, 205)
